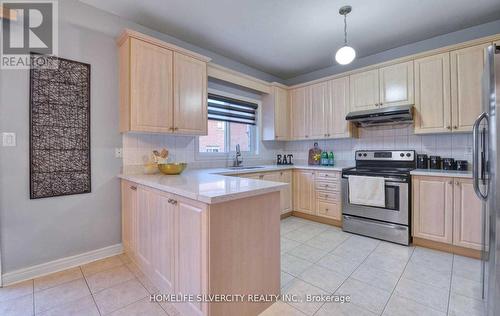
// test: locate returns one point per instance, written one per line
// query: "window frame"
(254, 136)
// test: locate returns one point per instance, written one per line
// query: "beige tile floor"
(381, 278)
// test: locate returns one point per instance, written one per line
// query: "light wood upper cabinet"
(299, 112)
(303, 191)
(337, 107)
(466, 93)
(163, 88)
(396, 84)
(433, 208)
(467, 216)
(151, 69)
(190, 91)
(318, 123)
(364, 88)
(276, 114)
(432, 94)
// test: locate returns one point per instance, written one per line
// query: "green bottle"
(330, 159)
(324, 158)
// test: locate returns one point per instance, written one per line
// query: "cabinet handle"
(307, 136)
(455, 127)
(133, 187)
(176, 128)
(451, 182)
(172, 201)
(171, 128)
(448, 127)
(457, 182)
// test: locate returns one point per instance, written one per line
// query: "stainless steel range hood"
(392, 115)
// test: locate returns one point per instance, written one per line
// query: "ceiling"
(287, 38)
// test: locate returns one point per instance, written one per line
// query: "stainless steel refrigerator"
(486, 174)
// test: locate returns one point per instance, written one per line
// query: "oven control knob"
(408, 154)
(402, 155)
(364, 155)
(359, 155)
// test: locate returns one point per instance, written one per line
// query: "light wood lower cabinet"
(447, 210)
(433, 208)
(317, 193)
(169, 239)
(467, 216)
(303, 191)
(284, 176)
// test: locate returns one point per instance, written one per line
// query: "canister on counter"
(435, 162)
(449, 164)
(462, 165)
(422, 161)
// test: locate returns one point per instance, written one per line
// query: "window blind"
(231, 110)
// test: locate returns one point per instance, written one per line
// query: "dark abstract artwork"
(59, 127)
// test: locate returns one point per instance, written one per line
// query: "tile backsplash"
(458, 146)
(137, 148)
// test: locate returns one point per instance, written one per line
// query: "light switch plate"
(8, 139)
(118, 153)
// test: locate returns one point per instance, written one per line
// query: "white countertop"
(441, 173)
(216, 185)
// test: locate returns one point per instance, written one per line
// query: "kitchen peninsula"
(201, 233)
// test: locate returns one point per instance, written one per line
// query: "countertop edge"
(441, 173)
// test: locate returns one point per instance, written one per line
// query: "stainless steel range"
(392, 221)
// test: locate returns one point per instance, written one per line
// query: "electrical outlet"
(8, 139)
(118, 152)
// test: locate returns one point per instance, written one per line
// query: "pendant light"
(346, 54)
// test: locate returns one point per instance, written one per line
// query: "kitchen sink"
(244, 167)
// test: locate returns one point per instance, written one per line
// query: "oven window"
(392, 197)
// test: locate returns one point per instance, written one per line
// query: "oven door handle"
(399, 227)
(388, 180)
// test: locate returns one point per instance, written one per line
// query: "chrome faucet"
(237, 162)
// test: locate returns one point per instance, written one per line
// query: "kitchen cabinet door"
(466, 91)
(129, 216)
(281, 114)
(337, 107)
(191, 260)
(433, 208)
(286, 194)
(163, 243)
(468, 217)
(146, 202)
(432, 94)
(190, 95)
(396, 84)
(299, 112)
(151, 94)
(303, 191)
(318, 120)
(364, 90)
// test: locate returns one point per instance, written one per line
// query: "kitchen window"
(231, 121)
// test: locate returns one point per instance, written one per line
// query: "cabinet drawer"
(328, 196)
(329, 209)
(327, 186)
(327, 176)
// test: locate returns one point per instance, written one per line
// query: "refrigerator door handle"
(475, 153)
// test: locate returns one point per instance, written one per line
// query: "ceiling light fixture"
(346, 54)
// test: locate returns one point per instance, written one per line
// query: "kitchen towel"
(367, 191)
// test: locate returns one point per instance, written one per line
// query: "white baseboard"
(60, 264)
